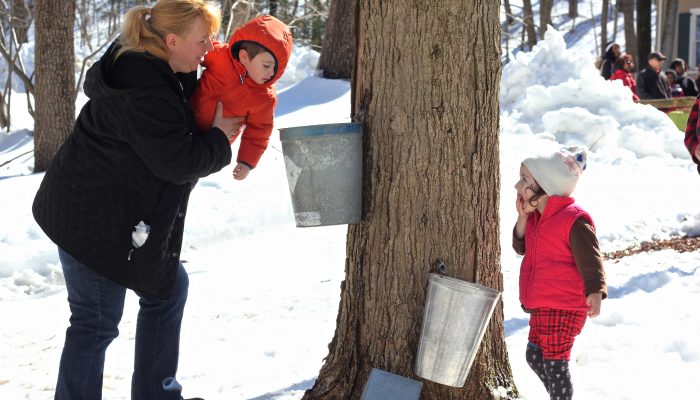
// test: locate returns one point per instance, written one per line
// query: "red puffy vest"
(549, 277)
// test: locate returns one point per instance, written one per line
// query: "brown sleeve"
(518, 244)
(589, 260)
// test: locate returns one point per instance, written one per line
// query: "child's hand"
(524, 208)
(241, 171)
(593, 300)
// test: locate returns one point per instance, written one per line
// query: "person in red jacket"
(562, 280)
(240, 74)
(623, 71)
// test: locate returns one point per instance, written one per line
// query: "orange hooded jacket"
(225, 79)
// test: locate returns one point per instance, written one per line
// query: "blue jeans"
(96, 305)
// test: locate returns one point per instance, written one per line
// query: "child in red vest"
(562, 280)
(240, 74)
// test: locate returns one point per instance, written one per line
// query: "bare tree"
(338, 51)
(21, 19)
(545, 15)
(630, 33)
(430, 188)
(669, 27)
(529, 24)
(604, 26)
(509, 12)
(55, 78)
(643, 31)
(573, 8)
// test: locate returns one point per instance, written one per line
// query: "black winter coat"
(132, 156)
(652, 85)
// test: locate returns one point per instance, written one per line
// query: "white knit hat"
(558, 172)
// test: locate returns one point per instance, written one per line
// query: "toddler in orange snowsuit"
(240, 74)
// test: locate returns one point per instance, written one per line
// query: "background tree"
(643, 32)
(627, 7)
(573, 8)
(338, 51)
(669, 28)
(545, 15)
(55, 78)
(430, 188)
(529, 24)
(604, 26)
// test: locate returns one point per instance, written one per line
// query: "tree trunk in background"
(21, 19)
(643, 32)
(630, 34)
(545, 15)
(273, 4)
(573, 8)
(338, 51)
(509, 12)
(529, 24)
(421, 108)
(604, 26)
(55, 78)
(669, 30)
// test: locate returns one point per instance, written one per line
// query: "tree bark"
(545, 15)
(604, 26)
(430, 189)
(643, 31)
(338, 51)
(573, 8)
(630, 33)
(669, 29)
(55, 78)
(529, 24)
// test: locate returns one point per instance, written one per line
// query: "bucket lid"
(299, 132)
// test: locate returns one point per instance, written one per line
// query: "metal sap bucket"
(324, 172)
(454, 322)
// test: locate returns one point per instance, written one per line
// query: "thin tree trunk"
(604, 26)
(509, 12)
(338, 51)
(616, 12)
(55, 78)
(529, 24)
(21, 19)
(545, 15)
(630, 33)
(643, 31)
(421, 108)
(573, 8)
(669, 29)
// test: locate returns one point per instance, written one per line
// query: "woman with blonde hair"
(115, 196)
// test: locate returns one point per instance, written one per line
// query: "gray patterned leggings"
(554, 374)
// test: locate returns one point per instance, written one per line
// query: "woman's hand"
(593, 300)
(241, 171)
(229, 126)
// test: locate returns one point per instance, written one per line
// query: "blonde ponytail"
(145, 28)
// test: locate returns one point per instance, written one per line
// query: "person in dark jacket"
(651, 83)
(687, 84)
(132, 160)
(612, 53)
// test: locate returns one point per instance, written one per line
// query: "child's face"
(526, 186)
(261, 68)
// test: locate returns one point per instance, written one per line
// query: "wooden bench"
(677, 108)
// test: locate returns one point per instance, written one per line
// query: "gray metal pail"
(454, 321)
(324, 171)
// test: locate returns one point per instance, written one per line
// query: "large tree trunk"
(55, 78)
(669, 28)
(630, 33)
(604, 26)
(545, 15)
(529, 24)
(338, 51)
(643, 32)
(429, 106)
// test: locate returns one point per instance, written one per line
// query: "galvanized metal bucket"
(324, 172)
(454, 322)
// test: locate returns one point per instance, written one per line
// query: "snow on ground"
(264, 294)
